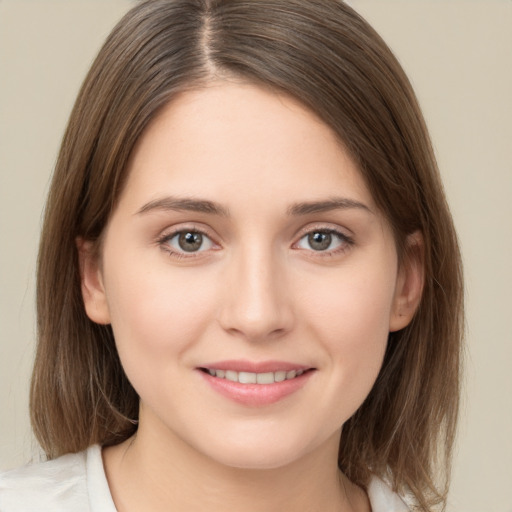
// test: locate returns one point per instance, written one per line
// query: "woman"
(249, 285)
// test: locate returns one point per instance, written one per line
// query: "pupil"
(320, 241)
(190, 242)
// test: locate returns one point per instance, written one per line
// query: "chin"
(258, 459)
(259, 453)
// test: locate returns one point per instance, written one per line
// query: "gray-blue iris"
(319, 241)
(190, 242)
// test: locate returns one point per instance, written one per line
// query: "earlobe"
(409, 285)
(91, 281)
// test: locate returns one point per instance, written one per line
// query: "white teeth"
(265, 378)
(255, 378)
(280, 376)
(231, 375)
(246, 378)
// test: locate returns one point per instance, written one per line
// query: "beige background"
(459, 57)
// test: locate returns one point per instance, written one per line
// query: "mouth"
(256, 384)
(243, 377)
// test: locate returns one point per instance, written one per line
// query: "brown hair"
(325, 55)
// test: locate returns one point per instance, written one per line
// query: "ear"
(91, 279)
(409, 283)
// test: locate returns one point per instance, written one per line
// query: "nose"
(256, 304)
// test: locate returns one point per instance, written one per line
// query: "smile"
(256, 384)
(254, 378)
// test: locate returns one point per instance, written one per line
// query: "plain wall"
(458, 55)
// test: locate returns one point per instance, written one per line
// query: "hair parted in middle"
(324, 54)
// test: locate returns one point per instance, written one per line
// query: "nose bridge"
(256, 304)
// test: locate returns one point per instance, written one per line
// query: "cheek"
(362, 314)
(156, 314)
(352, 306)
(350, 317)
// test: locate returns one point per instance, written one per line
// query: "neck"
(146, 474)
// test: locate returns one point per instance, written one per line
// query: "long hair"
(325, 55)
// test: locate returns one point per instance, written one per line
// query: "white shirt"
(77, 483)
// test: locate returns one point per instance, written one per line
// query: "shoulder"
(58, 485)
(383, 499)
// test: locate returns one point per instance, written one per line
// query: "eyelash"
(164, 240)
(345, 242)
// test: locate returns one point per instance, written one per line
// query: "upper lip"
(254, 366)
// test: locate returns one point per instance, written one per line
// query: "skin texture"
(256, 290)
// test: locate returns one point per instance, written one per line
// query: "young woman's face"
(249, 278)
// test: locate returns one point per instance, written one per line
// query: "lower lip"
(256, 395)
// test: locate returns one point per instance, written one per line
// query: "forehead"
(238, 142)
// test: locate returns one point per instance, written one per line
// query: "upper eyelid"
(343, 237)
(166, 235)
(163, 242)
(324, 226)
(172, 231)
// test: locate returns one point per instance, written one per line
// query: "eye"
(188, 241)
(323, 240)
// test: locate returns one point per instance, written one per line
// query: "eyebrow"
(211, 207)
(335, 203)
(189, 204)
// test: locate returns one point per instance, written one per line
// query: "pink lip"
(255, 367)
(256, 395)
